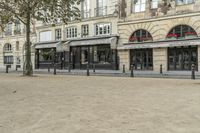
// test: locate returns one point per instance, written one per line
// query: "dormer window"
(184, 2)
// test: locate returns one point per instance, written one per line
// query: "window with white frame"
(8, 29)
(101, 8)
(139, 5)
(85, 30)
(86, 9)
(58, 34)
(71, 32)
(8, 59)
(103, 29)
(154, 4)
(45, 36)
(183, 2)
(17, 29)
(7, 48)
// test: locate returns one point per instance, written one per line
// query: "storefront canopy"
(95, 41)
(60, 46)
(161, 44)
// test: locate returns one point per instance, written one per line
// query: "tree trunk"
(28, 68)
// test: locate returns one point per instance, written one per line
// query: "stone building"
(91, 40)
(12, 42)
(160, 32)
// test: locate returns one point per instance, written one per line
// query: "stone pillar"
(160, 57)
(124, 59)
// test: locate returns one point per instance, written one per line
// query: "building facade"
(158, 32)
(90, 41)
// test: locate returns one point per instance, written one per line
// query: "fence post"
(88, 71)
(193, 72)
(48, 68)
(132, 74)
(69, 68)
(124, 69)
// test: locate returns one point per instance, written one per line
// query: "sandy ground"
(73, 104)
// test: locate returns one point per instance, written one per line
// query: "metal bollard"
(132, 74)
(193, 72)
(54, 69)
(88, 70)
(6, 68)
(48, 68)
(94, 68)
(161, 69)
(69, 68)
(124, 69)
(16, 68)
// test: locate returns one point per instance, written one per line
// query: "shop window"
(184, 2)
(71, 32)
(139, 5)
(103, 29)
(58, 34)
(85, 30)
(181, 32)
(140, 36)
(8, 59)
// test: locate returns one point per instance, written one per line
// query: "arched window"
(181, 31)
(7, 47)
(140, 36)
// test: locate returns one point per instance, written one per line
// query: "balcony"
(101, 11)
(85, 14)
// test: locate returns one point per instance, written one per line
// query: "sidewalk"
(114, 73)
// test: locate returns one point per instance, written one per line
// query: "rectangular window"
(86, 9)
(183, 2)
(8, 59)
(85, 30)
(58, 34)
(139, 5)
(154, 4)
(17, 45)
(101, 9)
(71, 32)
(103, 29)
(17, 29)
(8, 29)
(45, 36)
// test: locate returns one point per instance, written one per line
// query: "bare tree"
(49, 11)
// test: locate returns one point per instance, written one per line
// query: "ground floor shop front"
(177, 58)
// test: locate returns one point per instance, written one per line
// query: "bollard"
(54, 69)
(161, 70)
(88, 71)
(16, 68)
(48, 68)
(69, 68)
(123, 68)
(6, 68)
(132, 74)
(93, 68)
(193, 72)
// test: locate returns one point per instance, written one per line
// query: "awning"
(46, 45)
(60, 46)
(161, 44)
(95, 41)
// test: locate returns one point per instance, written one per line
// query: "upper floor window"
(71, 32)
(103, 29)
(7, 48)
(8, 29)
(17, 29)
(86, 9)
(154, 4)
(85, 30)
(58, 34)
(139, 5)
(140, 36)
(45, 36)
(183, 2)
(181, 31)
(101, 9)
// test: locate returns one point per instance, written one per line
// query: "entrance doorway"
(182, 58)
(142, 59)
